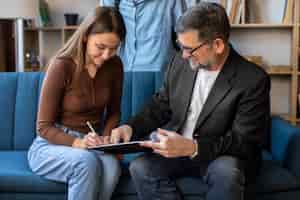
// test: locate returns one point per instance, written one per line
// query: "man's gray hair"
(209, 19)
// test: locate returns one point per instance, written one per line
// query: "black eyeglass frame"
(190, 50)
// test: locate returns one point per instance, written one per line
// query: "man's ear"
(219, 46)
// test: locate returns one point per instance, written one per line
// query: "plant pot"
(71, 19)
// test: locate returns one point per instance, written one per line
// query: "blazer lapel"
(219, 90)
(189, 80)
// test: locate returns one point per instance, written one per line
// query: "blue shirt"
(149, 25)
(191, 3)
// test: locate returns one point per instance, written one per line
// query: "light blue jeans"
(90, 175)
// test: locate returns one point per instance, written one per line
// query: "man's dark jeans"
(154, 175)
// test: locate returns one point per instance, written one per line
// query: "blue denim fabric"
(90, 175)
(149, 25)
(154, 177)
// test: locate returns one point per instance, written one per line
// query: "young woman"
(83, 81)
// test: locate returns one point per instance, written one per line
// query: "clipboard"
(122, 148)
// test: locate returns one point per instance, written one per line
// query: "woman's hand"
(79, 143)
(90, 140)
(93, 139)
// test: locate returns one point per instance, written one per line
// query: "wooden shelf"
(279, 70)
(286, 117)
(278, 73)
(30, 29)
(48, 29)
(262, 26)
(70, 27)
(32, 70)
(54, 29)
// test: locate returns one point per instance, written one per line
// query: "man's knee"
(148, 165)
(139, 166)
(227, 170)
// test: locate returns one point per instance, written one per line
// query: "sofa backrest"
(19, 94)
(138, 87)
(19, 103)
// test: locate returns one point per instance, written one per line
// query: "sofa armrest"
(285, 144)
(292, 161)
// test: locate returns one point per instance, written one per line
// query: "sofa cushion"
(126, 97)
(16, 176)
(274, 178)
(141, 95)
(282, 132)
(26, 110)
(8, 85)
(32, 196)
(288, 195)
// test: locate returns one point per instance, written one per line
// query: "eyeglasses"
(190, 50)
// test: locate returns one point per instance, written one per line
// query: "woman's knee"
(111, 166)
(86, 162)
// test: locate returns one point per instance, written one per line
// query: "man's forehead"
(189, 37)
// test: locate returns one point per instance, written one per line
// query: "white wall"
(266, 11)
(18, 8)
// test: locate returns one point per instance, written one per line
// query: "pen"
(91, 128)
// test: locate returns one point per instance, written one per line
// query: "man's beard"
(196, 67)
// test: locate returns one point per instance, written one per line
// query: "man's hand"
(123, 132)
(171, 144)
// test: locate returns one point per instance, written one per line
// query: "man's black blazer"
(235, 119)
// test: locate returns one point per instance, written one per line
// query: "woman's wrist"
(78, 143)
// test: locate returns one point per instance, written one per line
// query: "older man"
(212, 114)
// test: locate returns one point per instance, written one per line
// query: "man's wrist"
(195, 152)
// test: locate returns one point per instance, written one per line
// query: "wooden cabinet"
(44, 43)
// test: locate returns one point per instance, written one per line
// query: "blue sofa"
(279, 176)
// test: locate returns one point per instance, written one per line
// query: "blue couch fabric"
(279, 176)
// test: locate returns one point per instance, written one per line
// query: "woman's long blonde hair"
(100, 20)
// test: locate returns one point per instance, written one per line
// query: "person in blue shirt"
(191, 3)
(149, 23)
(149, 44)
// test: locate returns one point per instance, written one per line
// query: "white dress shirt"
(202, 87)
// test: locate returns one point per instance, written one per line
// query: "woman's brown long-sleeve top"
(71, 105)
